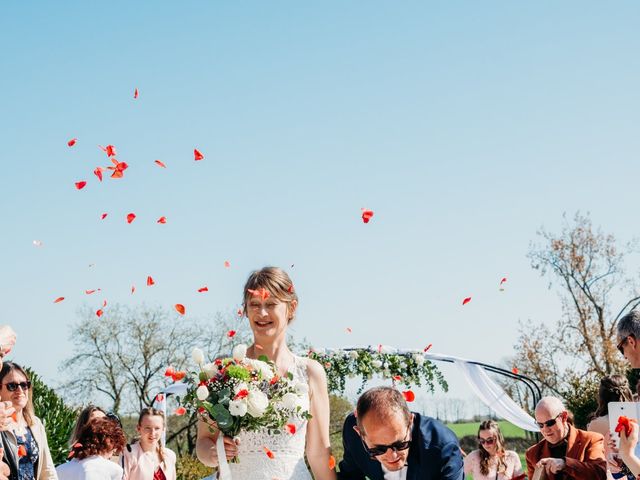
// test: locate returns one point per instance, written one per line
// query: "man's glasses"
(549, 423)
(13, 386)
(382, 449)
(487, 441)
(620, 346)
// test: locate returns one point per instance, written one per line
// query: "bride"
(270, 304)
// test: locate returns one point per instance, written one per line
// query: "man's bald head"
(551, 405)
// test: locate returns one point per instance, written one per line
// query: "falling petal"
(80, 185)
(160, 164)
(103, 216)
(72, 142)
(180, 411)
(504, 279)
(366, 215)
(37, 243)
(135, 93)
(290, 289)
(409, 396)
(349, 330)
(197, 155)
(203, 289)
(514, 370)
(261, 292)
(131, 217)
(99, 313)
(227, 264)
(466, 300)
(269, 453)
(162, 220)
(104, 303)
(22, 451)
(89, 292)
(259, 347)
(231, 333)
(397, 378)
(428, 347)
(180, 308)
(291, 428)
(133, 289)
(110, 150)
(332, 462)
(58, 300)
(239, 312)
(98, 172)
(150, 281)
(159, 397)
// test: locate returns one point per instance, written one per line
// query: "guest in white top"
(491, 461)
(98, 441)
(147, 459)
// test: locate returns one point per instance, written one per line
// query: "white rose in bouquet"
(289, 401)
(239, 352)
(210, 369)
(197, 355)
(202, 393)
(376, 363)
(418, 358)
(266, 371)
(353, 354)
(238, 408)
(257, 403)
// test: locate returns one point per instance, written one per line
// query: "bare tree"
(124, 353)
(589, 268)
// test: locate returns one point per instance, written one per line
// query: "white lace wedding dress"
(288, 450)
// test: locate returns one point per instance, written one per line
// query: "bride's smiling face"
(269, 317)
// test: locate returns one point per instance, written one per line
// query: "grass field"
(508, 430)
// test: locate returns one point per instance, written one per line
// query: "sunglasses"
(548, 423)
(487, 441)
(382, 449)
(620, 346)
(13, 386)
(114, 418)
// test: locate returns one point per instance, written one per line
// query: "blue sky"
(464, 125)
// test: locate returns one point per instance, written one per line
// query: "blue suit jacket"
(434, 453)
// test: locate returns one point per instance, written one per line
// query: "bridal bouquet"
(240, 393)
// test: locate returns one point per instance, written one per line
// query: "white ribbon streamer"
(224, 473)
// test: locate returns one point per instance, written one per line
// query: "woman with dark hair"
(491, 461)
(87, 414)
(613, 388)
(98, 441)
(26, 448)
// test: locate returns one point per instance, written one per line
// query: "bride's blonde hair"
(275, 281)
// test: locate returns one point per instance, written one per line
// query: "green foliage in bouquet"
(409, 368)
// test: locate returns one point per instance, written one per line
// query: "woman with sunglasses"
(491, 461)
(26, 448)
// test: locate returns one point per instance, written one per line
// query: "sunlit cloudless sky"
(465, 126)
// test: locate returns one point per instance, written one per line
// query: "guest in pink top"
(491, 461)
(147, 459)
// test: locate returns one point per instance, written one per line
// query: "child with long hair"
(147, 459)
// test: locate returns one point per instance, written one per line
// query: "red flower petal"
(409, 396)
(466, 300)
(80, 185)
(397, 378)
(180, 308)
(244, 393)
(292, 428)
(133, 289)
(162, 220)
(332, 462)
(160, 164)
(349, 330)
(180, 411)
(426, 349)
(290, 289)
(89, 292)
(110, 150)
(99, 313)
(263, 293)
(98, 172)
(135, 93)
(150, 281)
(72, 142)
(366, 215)
(58, 300)
(104, 303)
(258, 346)
(227, 264)
(103, 216)
(22, 451)
(231, 333)
(197, 155)
(131, 217)
(178, 376)
(169, 372)
(269, 453)
(159, 397)
(514, 370)
(239, 312)
(504, 279)
(203, 289)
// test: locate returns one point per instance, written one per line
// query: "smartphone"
(618, 409)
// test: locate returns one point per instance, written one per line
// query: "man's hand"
(552, 465)
(6, 419)
(5, 471)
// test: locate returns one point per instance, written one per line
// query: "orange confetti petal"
(162, 220)
(14, 416)
(332, 462)
(261, 292)
(227, 264)
(180, 308)
(366, 215)
(160, 164)
(409, 396)
(103, 216)
(397, 378)
(178, 376)
(58, 300)
(99, 313)
(291, 428)
(110, 150)
(131, 217)
(231, 333)
(203, 289)
(80, 185)
(514, 370)
(98, 172)
(466, 300)
(135, 93)
(22, 451)
(197, 155)
(180, 411)
(150, 281)
(269, 453)
(72, 142)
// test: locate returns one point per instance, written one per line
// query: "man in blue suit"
(386, 441)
